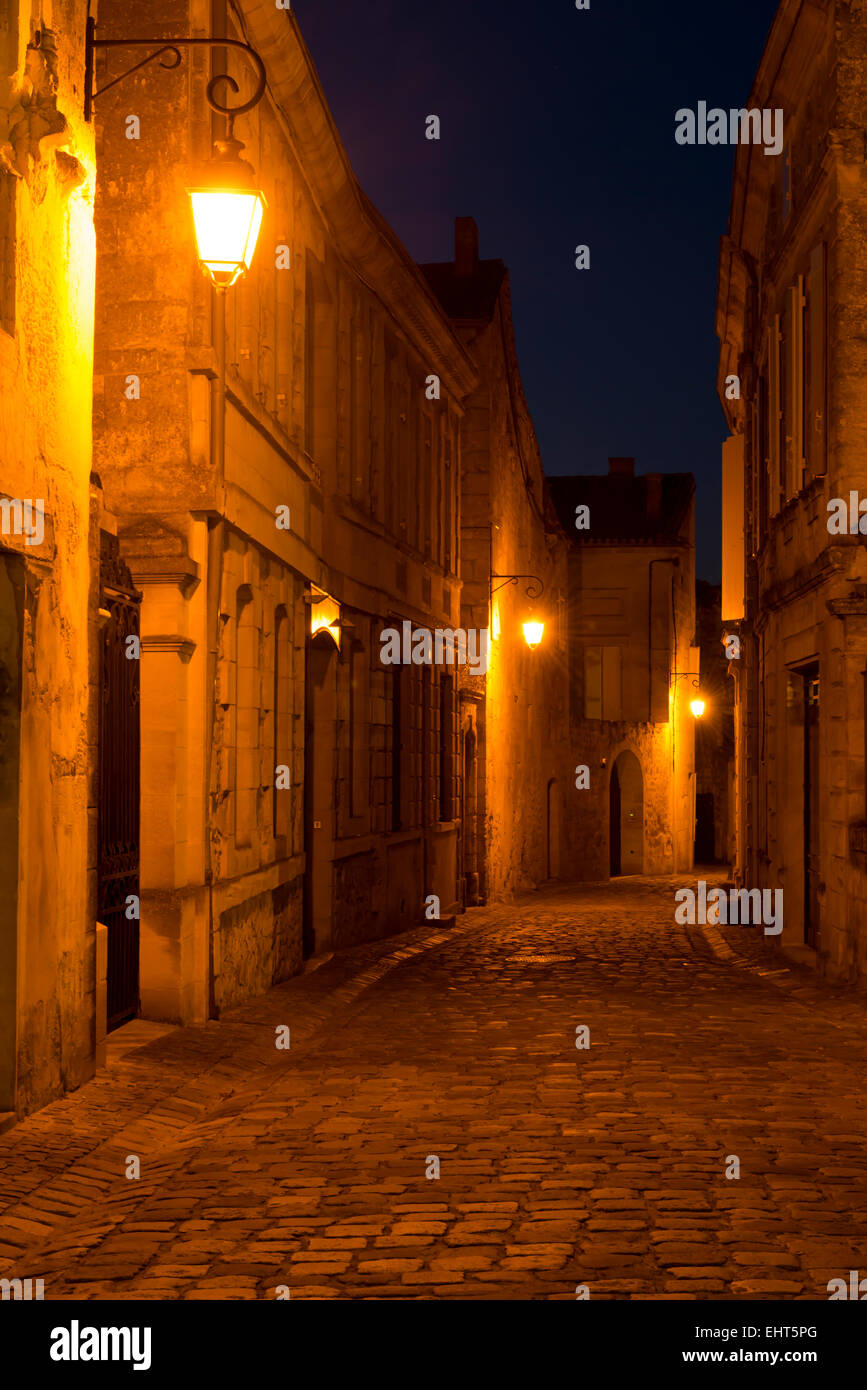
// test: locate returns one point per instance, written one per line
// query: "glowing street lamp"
(533, 628)
(697, 707)
(227, 207)
(227, 214)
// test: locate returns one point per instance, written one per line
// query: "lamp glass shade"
(227, 223)
(697, 707)
(325, 617)
(533, 633)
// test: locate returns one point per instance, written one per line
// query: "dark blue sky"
(558, 129)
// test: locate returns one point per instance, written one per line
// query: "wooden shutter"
(794, 360)
(592, 682)
(817, 364)
(774, 416)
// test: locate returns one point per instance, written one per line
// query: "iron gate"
(118, 812)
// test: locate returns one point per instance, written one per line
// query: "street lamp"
(227, 214)
(533, 628)
(227, 206)
(697, 707)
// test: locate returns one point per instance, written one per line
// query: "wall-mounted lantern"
(325, 614)
(533, 627)
(696, 704)
(227, 214)
(227, 206)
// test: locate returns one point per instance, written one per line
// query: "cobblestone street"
(306, 1168)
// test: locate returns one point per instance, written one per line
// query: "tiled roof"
(619, 506)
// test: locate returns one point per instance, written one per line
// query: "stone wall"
(47, 916)
(803, 625)
(514, 721)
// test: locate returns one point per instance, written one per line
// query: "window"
(310, 365)
(247, 709)
(358, 781)
(762, 454)
(793, 404)
(603, 696)
(447, 736)
(281, 753)
(786, 183)
(775, 416)
(816, 359)
(397, 682)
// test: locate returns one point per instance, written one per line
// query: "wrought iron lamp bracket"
(534, 589)
(172, 49)
(686, 675)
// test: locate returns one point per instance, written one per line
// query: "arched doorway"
(553, 828)
(469, 840)
(626, 816)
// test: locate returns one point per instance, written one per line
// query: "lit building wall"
(337, 473)
(632, 668)
(48, 617)
(789, 312)
(514, 717)
(793, 282)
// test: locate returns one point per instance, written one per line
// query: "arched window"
(282, 747)
(247, 714)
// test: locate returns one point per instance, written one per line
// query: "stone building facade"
(792, 291)
(48, 610)
(298, 793)
(211, 764)
(633, 667)
(514, 719)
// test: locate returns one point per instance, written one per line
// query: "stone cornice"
(159, 569)
(830, 562)
(169, 642)
(361, 234)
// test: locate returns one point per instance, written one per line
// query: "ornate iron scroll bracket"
(169, 53)
(534, 589)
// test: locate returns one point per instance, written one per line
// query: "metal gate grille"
(118, 814)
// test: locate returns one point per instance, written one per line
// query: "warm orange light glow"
(324, 614)
(227, 223)
(697, 707)
(533, 633)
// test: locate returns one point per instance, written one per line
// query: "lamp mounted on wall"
(227, 206)
(533, 627)
(696, 704)
(534, 589)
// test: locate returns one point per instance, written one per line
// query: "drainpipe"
(216, 535)
(216, 546)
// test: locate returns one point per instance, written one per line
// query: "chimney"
(621, 468)
(466, 245)
(653, 495)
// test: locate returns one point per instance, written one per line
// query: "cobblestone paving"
(559, 1167)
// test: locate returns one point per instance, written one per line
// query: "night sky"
(557, 130)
